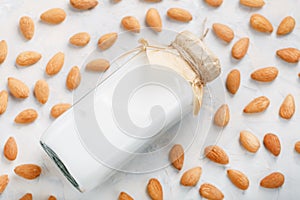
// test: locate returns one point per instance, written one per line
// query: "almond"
(286, 26)
(3, 51)
(153, 1)
(125, 196)
(216, 154)
(10, 149)
(209, 191)
(27, 27)
(290, 55)
(253, 3)
(28, 171)
(257, 105)
(272, 143)
(240, 48)
(3, 183)
(233, 81)
(73, 78)
(17, 88)
(214, 3)
(41, 91)
(59, 109)
(176, 156)
(52, 197)
(28, 58)
(154, 189)
(239, 179)
(99, 65)
(55, 64)
(26, 116)
(222, 116)
(3, 101)
(191, 177)
(261, 24)
(287, 108)
(153, 19)
(297, 147)
(53, 16)
(179, 14)
(249, 141)
(266, 74)
(131, 23)
(27, 196)
(80, 39)
(107, 40)
(223, 32)
(273, 180)
(84, 4)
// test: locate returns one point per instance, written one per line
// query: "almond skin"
(266, 74)
(153, 19)
(3, 51)
(257, 105)
(191, 177)
(176, 156)
(240, 48)
(59, 109)
(125, 196)
(26, 116)
(249, 141)
(80, 39)
(179, 14)
(286, 26)
(261, 24)
(273, 180)
(272, 143)
(290, 55)
(53, 16)
(17, 88)
(216, 154)
(223, 32)
(41, 91)
(28, 171)
(10, 149)
(131, 23)
(27, 196)
(73, 78)
(154, 189)
(55, 64)
(84, 4)
(107, 40)
(98, 65)
(214, 3)
(222, 116)
(287, 108)
(26, 25)
(297, 147)
(252, 3)
(233, 81)
(3, 101)
(239, 179)
(211, 192)
(52, 197)
(3, 183)
(28, 58)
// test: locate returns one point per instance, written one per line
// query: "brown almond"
(3, 51)
(154, 189)
(273, 180)
(73, 78)
(290, 55)
(261, 24)
(107, 40)
(51, 197)
(287, 108)
(153, 19)
(191, 177)
(55, 64)
(266, 74)
(59, 109)
(28, 171)
(53, 16)
(286, 26)
(41, 91)
(233, 81)
(131, 23)
(257, 105)
(28, 58)
(80, 39)
(98, 65)
(3, 101)
(249, 141)
(3, 182)
(27, 196)
(27, 27)
(17, 88)
(223, 32)
(253, 3)
(176, 156)
(216, 154)
(125, 196)
(84, 4)
(26, 116)
(240, 48)
(222, 116)
(10, 149)
(272, 143)
(210, 191)
(238, 178)
(214, 3)
(179, 14)
(297, 147)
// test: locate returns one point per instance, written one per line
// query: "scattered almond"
(249, 141)
(153, 19)
(287, 108)
(59, 109)
(17, 88)
(10, 149)
(273, 180)
(99, 65)
(107, 40)
(125, 196)
(84, 4)
(41, 91)
(52, 197)
(297, 147)
(73, 78)
(240, 48)
(272, 143)
(28, 58)
(214, 3)
(223, 32)
(28, 171)
(176, 156)
(239, 179)
(131, 23)
(290, 55)
(266, 74)
(209, 191)
(26, 116)
(3, 183)
(261, 24)
(27, 196)
(233, 81)
(191, 177)
(222, 116)
(55, 64)
(286, 26)
(179, 14)
(154, 189)
(80, 39)
(216, 154)
(53, 16)
(3, 101)
(253, 3)
(27, 27)
(3, 51)
(257, 105)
